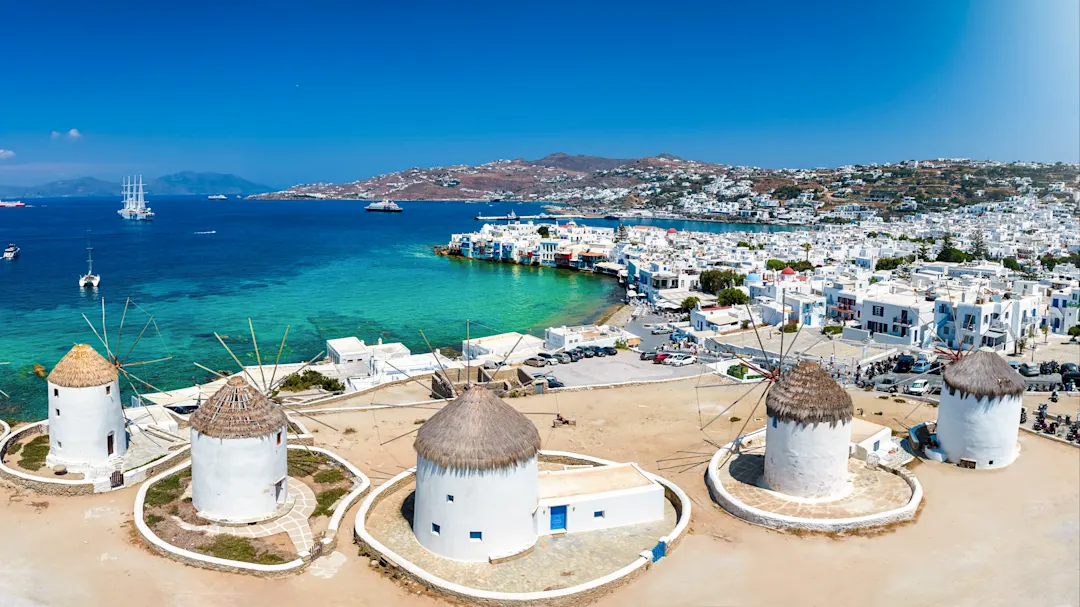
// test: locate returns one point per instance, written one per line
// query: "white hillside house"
(238, 455)
(86, 419)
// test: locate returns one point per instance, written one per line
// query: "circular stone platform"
(878, 496)
(557, 569)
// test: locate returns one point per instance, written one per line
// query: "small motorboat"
(11, 252)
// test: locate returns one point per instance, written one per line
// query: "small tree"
(1021, 345)
(689, 303)
(732, 297)
(806, 246)
(1074, 331)
(543, 232)
(1011, 264)
(775, 264)
(1045, 329)
(978, 246)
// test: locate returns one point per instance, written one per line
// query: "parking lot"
(625, 366)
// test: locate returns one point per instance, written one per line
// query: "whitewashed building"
(979, 415)
(86, 419)
(239, 457)
(808, 434)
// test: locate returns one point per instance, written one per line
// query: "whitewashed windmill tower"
(239, 459)
(86, 418)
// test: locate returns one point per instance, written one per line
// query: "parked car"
(597, 351)
(681, 360)
(548, 358)
(887, 384)
(935, 368)
(918, 387)
(587, 353)
(536, 361)
(563, 358)
(661, 356)
(648, 355)
(1029, 370)
(494, 364)
(575, 355)
(922, 366)
(610, 351)
(662, 331)
(1069, 368)
(1071, 378)
(554, 383)
(905, 363)
(1014, 365)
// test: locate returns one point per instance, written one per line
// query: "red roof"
(787, 271)
(671, 230)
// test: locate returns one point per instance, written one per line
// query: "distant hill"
(585, 164)
(205, 184)
(84, 186)
(177, 184)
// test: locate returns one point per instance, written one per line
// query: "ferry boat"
(217, 197)
(11, 252)
(135, 207)
(11, 204)
(89, 279)
(386, 206)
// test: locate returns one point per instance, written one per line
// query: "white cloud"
(72, 134)
(6, 154)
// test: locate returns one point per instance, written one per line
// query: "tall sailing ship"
(135, 201)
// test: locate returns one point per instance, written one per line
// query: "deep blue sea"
(326, 268)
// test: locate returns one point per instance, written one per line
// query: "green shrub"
(153, 519)
(239, 549)
(737, 371)
(15, 448)
(326, 500)
(35, 452)
(790, 328)
(303, 462)
(832, 330)
(332, 475)
(309, 379)
(165, 491)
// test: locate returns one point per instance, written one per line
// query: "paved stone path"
(873, 491)
(556, 562)
(294, 522)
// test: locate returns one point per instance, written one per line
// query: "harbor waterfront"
(327, 268)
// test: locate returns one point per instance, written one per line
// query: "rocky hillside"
(556, 177)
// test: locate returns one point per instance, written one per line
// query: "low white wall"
(490, 597)
(763, 518)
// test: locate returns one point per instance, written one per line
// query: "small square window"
(108, 390)
(449, 498)
(598, 514)
(435, 529)
(476, 536)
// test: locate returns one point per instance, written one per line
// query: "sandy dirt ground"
(1001, 537)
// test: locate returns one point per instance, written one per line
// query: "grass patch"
(153, 519)
(303, 462)
(12, 450)
(164, 491)
(326, 500)
(35, 452)
(331, 475)
(239, 549)
(311, 378)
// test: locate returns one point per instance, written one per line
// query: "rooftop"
(585, 481)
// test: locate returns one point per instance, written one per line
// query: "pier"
(514, 217)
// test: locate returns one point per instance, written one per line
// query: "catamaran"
(134, 201)
(89, 279)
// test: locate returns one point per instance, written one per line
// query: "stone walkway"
(873, 490)
(556, 562)
(295, 522)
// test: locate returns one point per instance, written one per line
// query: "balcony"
(903, 320)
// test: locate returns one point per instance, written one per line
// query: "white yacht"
(134, 201)
(89, 279)
(11, 252)
(217, 197)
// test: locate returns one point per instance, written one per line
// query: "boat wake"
(210, 232)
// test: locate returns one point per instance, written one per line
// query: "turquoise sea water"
(326, 268)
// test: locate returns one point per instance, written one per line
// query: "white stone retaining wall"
(779, 521)
(63, 486)
(575, 595)
(188, 557)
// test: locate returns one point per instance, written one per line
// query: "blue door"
(558, 518)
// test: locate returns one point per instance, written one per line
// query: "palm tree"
(806, 247)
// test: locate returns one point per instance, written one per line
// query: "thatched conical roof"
(984, 373)
(478, 431)
(237, 410)
(807, 395)
(82, 367)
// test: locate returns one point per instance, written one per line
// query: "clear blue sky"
(307, 91)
